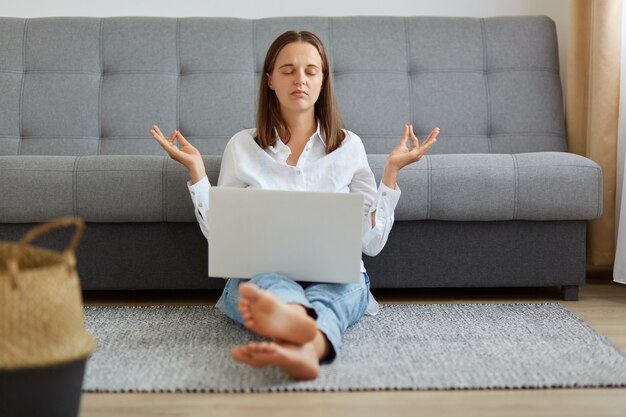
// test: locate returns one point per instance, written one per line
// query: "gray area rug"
(404, 347)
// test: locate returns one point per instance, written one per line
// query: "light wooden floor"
(602, 305)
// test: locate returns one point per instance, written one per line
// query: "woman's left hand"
(402, 156)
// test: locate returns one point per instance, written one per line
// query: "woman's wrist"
(196, 175)
(390, 175)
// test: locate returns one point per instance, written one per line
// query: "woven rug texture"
(404, 347)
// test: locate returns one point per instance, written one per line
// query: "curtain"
(592, 104)
(619, 269)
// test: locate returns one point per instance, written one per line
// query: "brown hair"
(269, 117)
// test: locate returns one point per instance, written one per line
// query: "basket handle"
(35, 232)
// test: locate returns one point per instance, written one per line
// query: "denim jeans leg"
(281, 286)
(338, 307)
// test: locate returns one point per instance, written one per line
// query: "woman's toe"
(237, 353)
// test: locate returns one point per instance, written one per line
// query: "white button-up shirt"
(246, 164)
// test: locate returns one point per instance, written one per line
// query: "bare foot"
(267, 316)
(297, 361)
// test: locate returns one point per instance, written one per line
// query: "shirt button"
(193, 193)
(298, 172)
(384, 193)
(199, 204)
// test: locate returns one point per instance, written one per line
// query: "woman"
(299, 144)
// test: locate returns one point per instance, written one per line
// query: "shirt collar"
(279, 145)
(318, 133)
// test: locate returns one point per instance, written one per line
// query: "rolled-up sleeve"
(375, 238)
(200, 191)
(200, 197)
(383, 200)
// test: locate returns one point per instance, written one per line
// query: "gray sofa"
(498, 202)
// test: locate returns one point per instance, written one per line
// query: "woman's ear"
(269, 81)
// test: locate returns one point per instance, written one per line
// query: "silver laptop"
(307, 236)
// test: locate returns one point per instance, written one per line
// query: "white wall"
(558, 10)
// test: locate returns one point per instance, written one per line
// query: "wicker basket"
(43, 341)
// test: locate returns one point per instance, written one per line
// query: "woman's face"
(297, 77)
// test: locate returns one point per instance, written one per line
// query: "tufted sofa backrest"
(93, 86)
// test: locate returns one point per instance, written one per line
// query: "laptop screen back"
(307, 236)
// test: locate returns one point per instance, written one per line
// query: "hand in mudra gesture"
(185, 153)
(402, 156)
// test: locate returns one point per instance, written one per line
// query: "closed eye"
(308, 72)
(310, 69)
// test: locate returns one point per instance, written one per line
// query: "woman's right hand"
(186, 154)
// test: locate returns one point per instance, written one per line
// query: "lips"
(299, 92)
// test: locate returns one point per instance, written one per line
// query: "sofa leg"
(569, 292)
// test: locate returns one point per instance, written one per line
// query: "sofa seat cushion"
(493, 187)
(463, 187)
(102, 189)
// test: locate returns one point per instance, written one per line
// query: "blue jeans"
(334, 307)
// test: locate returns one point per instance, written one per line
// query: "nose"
(300, 79)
